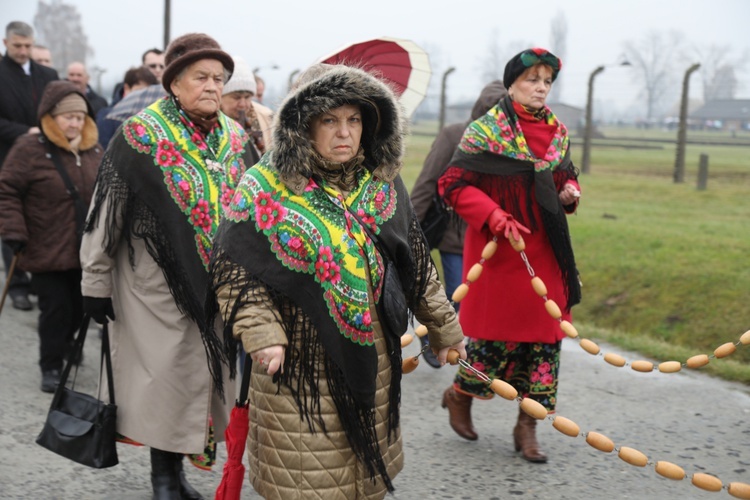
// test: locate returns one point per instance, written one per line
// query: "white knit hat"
(242, 78)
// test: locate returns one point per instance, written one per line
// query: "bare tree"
(498, 54)
(718, 71)
(559, 47)
(58, 26)
(655, 67)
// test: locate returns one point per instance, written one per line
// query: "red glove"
(501, 222)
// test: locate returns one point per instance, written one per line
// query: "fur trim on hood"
(384, 123)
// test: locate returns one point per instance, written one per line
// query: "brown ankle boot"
(459, 410)
(524, 437)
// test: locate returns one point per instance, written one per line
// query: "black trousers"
(19, 282)
(60, 314)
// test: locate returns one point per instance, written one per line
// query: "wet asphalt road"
(697, 422)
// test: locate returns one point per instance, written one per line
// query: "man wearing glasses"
(153, 59)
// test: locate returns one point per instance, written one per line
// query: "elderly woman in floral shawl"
(163, 184)
(299, 278)
(512, 174)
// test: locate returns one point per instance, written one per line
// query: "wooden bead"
(538, 285)
(409, 364)
(421, 331)
(744, 340)
(614, 359)
(533, 408)
(670, 366)
(453, 357)
(707, 482)
(642, 366)
(503, 389)
(589, 346)
(474, 272)
(518, 244)
(739, 490)
(568, 329)
(489, 250)
(670, 470)
(566, 426)
(406, 339)
(600, 442)
(697, 361)
(460, 292)
(553, 309)
(633, 457)
(725, 350)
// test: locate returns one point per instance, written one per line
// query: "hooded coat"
(37, 209)
(299, 444)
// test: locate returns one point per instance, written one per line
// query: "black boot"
(164, 477)
(186, 490)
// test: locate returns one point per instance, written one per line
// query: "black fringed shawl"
(164, 183)
(264, 246)
(494, 156)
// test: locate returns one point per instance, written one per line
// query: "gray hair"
(19, 28)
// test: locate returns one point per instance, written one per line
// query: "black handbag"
(435, 222)
(395, 310)
(80, 427)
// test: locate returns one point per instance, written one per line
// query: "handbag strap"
(76, 353)
(376, 241)
(80, 207)
(107, 356)
(245, 386)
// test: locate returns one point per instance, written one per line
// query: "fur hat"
(70, 103)
(187, 49)
(242, 80)
(528, 58)
(321, 89)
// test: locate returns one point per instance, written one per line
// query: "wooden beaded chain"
(568, 427)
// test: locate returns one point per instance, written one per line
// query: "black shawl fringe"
(303, 363)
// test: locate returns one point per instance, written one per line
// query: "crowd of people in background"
(203, 225)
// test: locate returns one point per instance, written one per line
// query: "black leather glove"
(99, 308)
(16, 246)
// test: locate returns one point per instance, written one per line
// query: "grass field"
(665, 267)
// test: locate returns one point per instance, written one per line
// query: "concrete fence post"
(703, 172)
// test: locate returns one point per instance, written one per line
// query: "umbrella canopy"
(236, 439)
(401, 63)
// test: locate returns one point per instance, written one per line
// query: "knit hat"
(528, 58)
(242, 80)
(70, 103)
(187, 49)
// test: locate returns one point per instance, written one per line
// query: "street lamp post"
(586, 160)
(679, 163)
(441, 122)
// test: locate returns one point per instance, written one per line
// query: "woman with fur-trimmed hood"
(299, 280)
(43, 221)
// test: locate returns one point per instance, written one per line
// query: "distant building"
(723, 114)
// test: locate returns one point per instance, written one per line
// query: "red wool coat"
(501, 305)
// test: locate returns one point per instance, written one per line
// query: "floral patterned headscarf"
(528, 58)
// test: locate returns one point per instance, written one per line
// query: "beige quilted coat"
(289, 462)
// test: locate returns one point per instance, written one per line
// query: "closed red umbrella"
(236, 439)
(401, 63)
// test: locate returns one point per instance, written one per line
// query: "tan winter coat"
(321, 465)
(163, 388)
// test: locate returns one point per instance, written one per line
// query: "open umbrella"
(236, 439)
(401, 63)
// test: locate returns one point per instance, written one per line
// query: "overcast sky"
(293, 34)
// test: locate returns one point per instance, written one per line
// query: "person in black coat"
(22, 82)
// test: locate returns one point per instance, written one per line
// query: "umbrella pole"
(8, 277)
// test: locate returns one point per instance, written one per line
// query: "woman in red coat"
(512, 173)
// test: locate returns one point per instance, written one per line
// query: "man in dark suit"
(22, 82)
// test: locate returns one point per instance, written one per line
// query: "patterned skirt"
(531, 368)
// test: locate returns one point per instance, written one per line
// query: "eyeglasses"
(156, 65)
